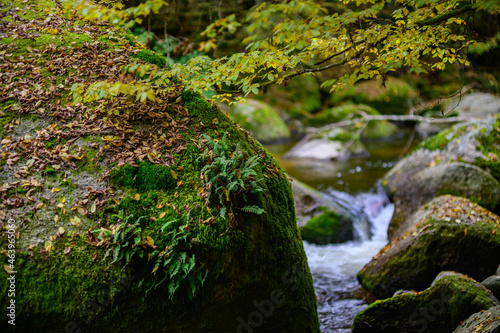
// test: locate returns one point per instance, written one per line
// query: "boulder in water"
(329, 227)
(453, 234)
(437, 309)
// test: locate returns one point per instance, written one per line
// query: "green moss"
(490, 146)
(438, 309)
(145, 177)
(151, 57)
(329, 227)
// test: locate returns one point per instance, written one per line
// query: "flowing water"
(352, 186)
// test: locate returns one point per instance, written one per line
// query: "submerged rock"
(487, 321)
(452, 234)
(437, 309)
(260, 120)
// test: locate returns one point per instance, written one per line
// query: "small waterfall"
(334, 267)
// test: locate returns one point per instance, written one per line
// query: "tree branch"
(446, 16)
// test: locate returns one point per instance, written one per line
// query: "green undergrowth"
(151, 57)
(145, 177)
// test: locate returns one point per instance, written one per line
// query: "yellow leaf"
(162, 215)
(82, 211)
(48, 245)
(199, 191)
(62, 199)
(55, 189)
(56, 218)
(9, 270)
(160, 206)
(179, 183)
(75, 221)
(150, 241)
(137, 196)
(40, 205)
(154, 269)
(93, 208)
(174, 175)
(62, 230)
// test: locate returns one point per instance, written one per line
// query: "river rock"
(309, 202)
(487, 321)
(473, 143)
(259, 118)
(331, 144)
(445, 274)
(136, 230)
(437, 309)
(457, 178)
(453, 234)
(498, 271)
(329, 227)
(375, 129)
(493, 284)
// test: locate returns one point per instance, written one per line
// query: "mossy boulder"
(329, 227)
(475, 142)
(309, 202)
(457, 178)
(493, 284)
(394, 97)
(259, 118)
(483, 321)
(435, 310)
(452, 234)
(122, 216)
(375, 129)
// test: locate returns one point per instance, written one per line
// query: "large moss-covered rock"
(260, 120)
(487, 321)
(435, 310)
(329, 227)
(122, 216)
(475, 143)
(452, 234)
(460, 179)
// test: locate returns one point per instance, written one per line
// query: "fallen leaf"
(55, 189)
(40, 205)
(62, 230)
(8, 269)
(137, 196)
(162, 215)
(48, 245)
(75, 221)
(93, 208)
(174, 175)
(67, 250)
(56, 218)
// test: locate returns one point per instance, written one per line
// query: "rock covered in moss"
(158, 215)
(457, 178)
(259, 118)
(453, 234)
(474, 143)
(437, 309)
(487, 321)
(309, 202)
(329, 227)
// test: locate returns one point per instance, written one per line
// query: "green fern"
(229, 174)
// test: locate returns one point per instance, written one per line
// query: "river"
(352, 186)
